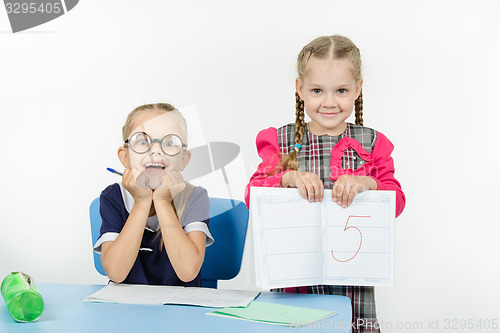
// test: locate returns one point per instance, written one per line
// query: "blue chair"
(228, 226)
(95, 228)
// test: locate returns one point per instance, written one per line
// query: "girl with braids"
(328, 152)
(154, 224)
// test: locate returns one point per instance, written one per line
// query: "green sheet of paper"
(271, 313)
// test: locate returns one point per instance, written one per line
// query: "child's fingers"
(346, 193)
(315, 189)
(174, 177)
(310, 191)
(128, 178)
(306, 190)
(309, 185)
(337, 191)
(345, 188)
(127, 174)
(355, 190)
(321, 190)
(175, 181)
(313, 192)
(303, 189)
(135, 183)
(343, 194)
(351, 196)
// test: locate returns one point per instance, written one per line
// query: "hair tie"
(297, 147)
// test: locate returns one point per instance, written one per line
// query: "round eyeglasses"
(141, 143)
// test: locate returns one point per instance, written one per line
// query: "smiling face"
(328, 90)
(156, 124)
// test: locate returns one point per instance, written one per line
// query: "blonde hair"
(158, 107)
(326, 47)
(127, 127)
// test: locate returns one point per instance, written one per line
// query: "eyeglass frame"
(152, 141)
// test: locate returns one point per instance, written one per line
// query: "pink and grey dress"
(359, 151)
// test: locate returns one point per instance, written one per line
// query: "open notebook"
(144, 294)
(298, 243)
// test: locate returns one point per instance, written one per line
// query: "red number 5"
(360, 239)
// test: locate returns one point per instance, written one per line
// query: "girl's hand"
(308, 183)
(135, 183)
(172, 184)
(346, 187)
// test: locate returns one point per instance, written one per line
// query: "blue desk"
(66, 312)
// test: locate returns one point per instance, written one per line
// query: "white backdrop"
(430, 76)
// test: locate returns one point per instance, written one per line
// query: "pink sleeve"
(383, 172)
(268, 150)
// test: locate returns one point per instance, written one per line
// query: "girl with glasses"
(154, 224)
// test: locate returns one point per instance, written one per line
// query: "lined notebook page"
(358, 246)
(298, 243)
(287, 233)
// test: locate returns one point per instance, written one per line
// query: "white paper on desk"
(143, 294)
(298, 243)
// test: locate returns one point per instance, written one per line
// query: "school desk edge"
(65, 309)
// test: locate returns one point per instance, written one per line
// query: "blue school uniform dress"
(152, 265)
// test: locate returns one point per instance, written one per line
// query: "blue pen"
(114, 171)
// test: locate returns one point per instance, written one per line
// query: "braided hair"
(289, 161)
(358, 109)
(330, 47)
